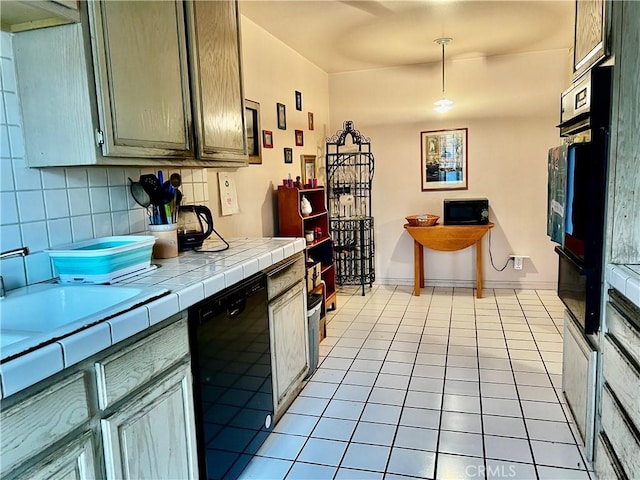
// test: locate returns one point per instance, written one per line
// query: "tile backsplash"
(43, 208)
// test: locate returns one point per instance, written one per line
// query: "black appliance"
(466, 211)
(231, 361)
(195, 224)
(584, 118)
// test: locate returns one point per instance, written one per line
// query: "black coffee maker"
(195, 224)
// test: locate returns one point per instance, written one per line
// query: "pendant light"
(444, 104)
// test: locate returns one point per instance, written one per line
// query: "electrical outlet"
(517, 262)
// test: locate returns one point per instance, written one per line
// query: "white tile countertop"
(177, 284)
(625, 279)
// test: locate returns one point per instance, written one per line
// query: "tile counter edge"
(626, 280)
(191, 277)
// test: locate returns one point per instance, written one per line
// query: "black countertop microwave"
(466, 211)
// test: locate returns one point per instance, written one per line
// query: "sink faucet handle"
(24, 251)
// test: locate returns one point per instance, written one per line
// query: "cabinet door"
(29, 428)
(153, 435)
(624, 170)
(141, 72)
(73, 462)
(578, 380)
(289, 344)
(590, 35)
(216, 80)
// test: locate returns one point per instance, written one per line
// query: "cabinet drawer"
(623, 436)
(73, 461)
(284, 275)
(121, 373)
(623, 376)
(626, 334)
(606, 463)
(42, 419)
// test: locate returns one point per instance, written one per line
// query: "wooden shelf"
(314, 215)
(318, 242)
(291, 223)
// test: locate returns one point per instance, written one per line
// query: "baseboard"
(517, 285)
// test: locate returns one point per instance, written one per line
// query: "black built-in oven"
(585, 120)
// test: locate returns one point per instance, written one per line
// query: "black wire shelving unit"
(350, 166)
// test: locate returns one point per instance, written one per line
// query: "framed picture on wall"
(252, 126)
(310, 121)
(298, 101)
(299, 138)
(308, 163)
(443, 159)
(267, 139)
(281, 111)
(288, 155)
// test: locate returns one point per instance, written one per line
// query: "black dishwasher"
(231, 361)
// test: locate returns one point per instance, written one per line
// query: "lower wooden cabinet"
(621, 433)
(153, 435)
(619, 411)
(606, 463)
(145, 429)
(578, 380)
(289, 345)
(71, 462)
(35, 423)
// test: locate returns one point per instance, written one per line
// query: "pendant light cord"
(442, 69)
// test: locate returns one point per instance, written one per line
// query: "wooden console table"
(446, 238)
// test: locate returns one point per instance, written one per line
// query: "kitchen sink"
(44, 311)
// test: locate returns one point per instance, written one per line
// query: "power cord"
(491, 257)
(215, 251)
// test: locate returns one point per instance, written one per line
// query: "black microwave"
(466, 211)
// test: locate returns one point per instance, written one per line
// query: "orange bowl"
(425, 220)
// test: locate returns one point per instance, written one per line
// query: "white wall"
(272, 74)
(510, 105)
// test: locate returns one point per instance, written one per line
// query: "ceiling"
(347, 35)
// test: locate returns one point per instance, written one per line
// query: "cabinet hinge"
(99, 137)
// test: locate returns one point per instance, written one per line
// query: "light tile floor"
(443, 386)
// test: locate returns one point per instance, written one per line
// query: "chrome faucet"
(23, 251)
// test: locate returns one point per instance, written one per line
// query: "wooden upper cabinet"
(142, 78)
(590, 34)
(623, 235)
(116, 89)
(21, 15)
(216, 80)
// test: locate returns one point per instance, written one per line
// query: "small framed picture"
(282, 116)
(308, 163)
(310, 121)
(267, 139)
(298, 100)
(299, 138)
(252, 126)
(288, 155)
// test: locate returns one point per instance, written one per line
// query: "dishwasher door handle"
(236, 308)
